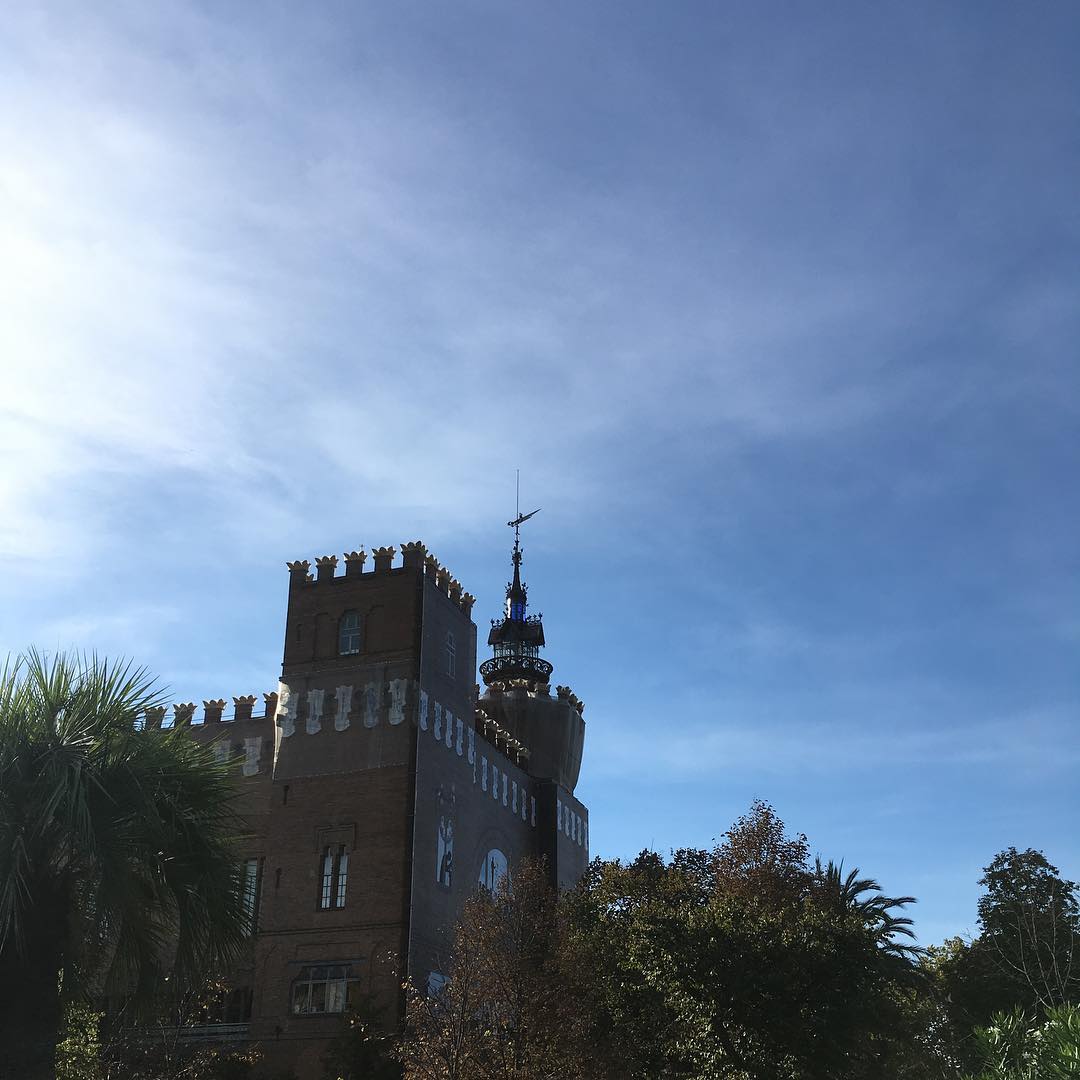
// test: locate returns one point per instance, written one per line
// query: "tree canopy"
(117, 865)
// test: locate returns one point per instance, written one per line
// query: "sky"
(775, 307)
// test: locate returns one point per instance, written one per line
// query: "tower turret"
(519, 637)
(518, 697)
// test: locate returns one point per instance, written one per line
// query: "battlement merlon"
(383, 558)
(298, 573)
(413, 554)
(212, 711)
(243, 707)
(182, 713)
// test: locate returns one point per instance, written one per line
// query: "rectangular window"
(335, 875)
(330, 988)
(342, 878)
(327, 879)
(349, 633)
(249, 894)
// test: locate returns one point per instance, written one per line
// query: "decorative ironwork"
(508, 666)
(529, 620)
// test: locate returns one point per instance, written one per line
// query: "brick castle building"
(380, 789)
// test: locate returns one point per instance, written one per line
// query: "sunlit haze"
(774, 306)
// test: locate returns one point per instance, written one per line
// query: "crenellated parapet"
(213, 714)
(240, 739)
(414, 556)
(502, 739)
(445, 582)
(567, 695)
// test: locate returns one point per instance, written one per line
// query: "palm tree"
(864, 898)
(116, 862)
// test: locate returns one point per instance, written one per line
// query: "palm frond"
(133, 827)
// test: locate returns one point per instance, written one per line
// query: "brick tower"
(379, 793)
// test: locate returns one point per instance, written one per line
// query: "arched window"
(493, 869)
(451, 654)
(349, 634)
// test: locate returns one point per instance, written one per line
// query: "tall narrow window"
(335, 875)
(451, 654)
(349, 634)
(342, 878)
(249, 893)
(326, 892)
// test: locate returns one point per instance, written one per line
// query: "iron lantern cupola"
(517, 640)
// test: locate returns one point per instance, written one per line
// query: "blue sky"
(775, 306)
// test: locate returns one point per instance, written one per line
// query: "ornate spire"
(518, 638)
(516, 594)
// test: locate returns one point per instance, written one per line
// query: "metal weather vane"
(517, 522)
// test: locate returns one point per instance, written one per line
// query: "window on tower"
(334, 877)
(493, 869)
(349, 634)
(451, 654)
(249, 894)
(329, 988)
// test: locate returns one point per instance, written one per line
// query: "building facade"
(380, 789)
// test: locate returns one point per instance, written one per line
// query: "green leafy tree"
(506, 1011)
(364, 1051)
(1030, 921)
(116, 860)
(744, 962)
(966, 987)
(1027, 957)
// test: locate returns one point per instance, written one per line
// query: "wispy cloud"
(793, 745)
(317, 298)
(774, 317)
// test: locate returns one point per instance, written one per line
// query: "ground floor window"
(325, 988)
